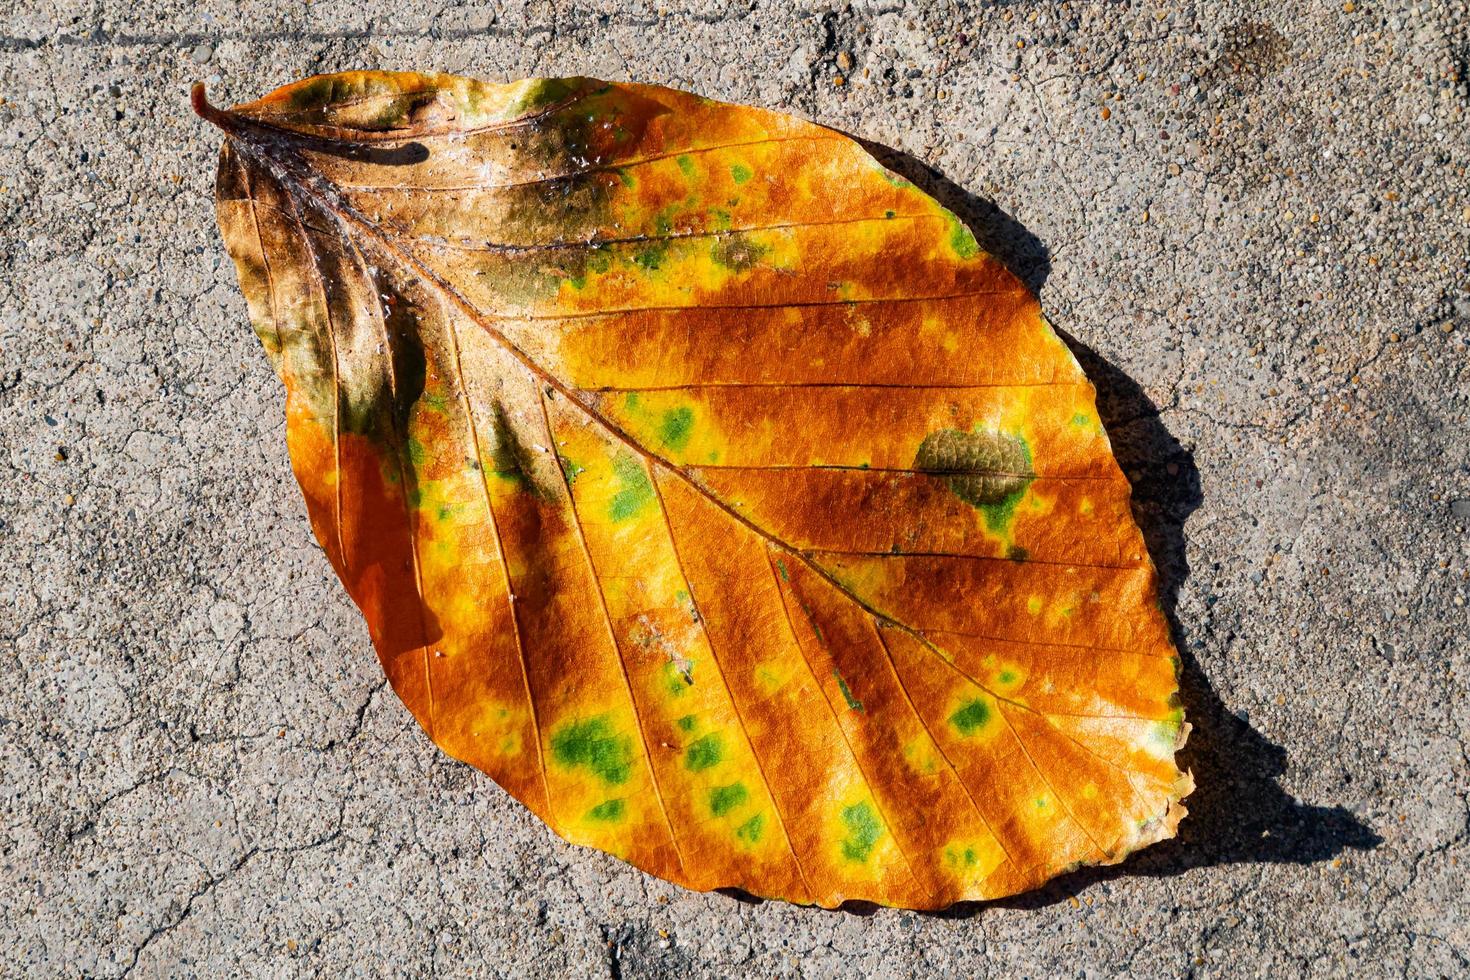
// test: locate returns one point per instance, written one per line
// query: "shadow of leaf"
(997, 232)
(1237, 813)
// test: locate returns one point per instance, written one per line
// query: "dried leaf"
(706, 485)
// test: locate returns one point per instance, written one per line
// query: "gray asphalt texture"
(1252, 219)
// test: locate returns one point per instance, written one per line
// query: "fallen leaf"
(706, 485)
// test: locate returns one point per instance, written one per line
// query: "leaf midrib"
(345, 212)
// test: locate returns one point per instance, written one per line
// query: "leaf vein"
(612, 632)
(504, 563)
(730, 694)
(902, 686)
(831, 711)
(410, 517)
(600, 168)
(466, 245)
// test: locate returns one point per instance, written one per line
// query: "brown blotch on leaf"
(982, 468)
(737, 252)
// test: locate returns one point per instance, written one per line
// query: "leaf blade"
(554, 558)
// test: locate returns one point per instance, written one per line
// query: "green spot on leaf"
(863, 831)
(956, 858)
(999, 516)
(543, 92)
(741, 173)
(651, 257)
(599, 260)
(686, 164)
(676, 680)
(970, 717)
(571, 469)
(704, 752)
(723, 799)
(594, 743)
(635, 492)
(676, 427)
(309, 95)
(961, 240)
(1165, 734)
(607, 811)
(750, 831)
(686, 724)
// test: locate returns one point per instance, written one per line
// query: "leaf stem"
(223, 118)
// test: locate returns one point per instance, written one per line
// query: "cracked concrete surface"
(1251, 218)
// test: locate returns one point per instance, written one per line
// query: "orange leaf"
(706, 485)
